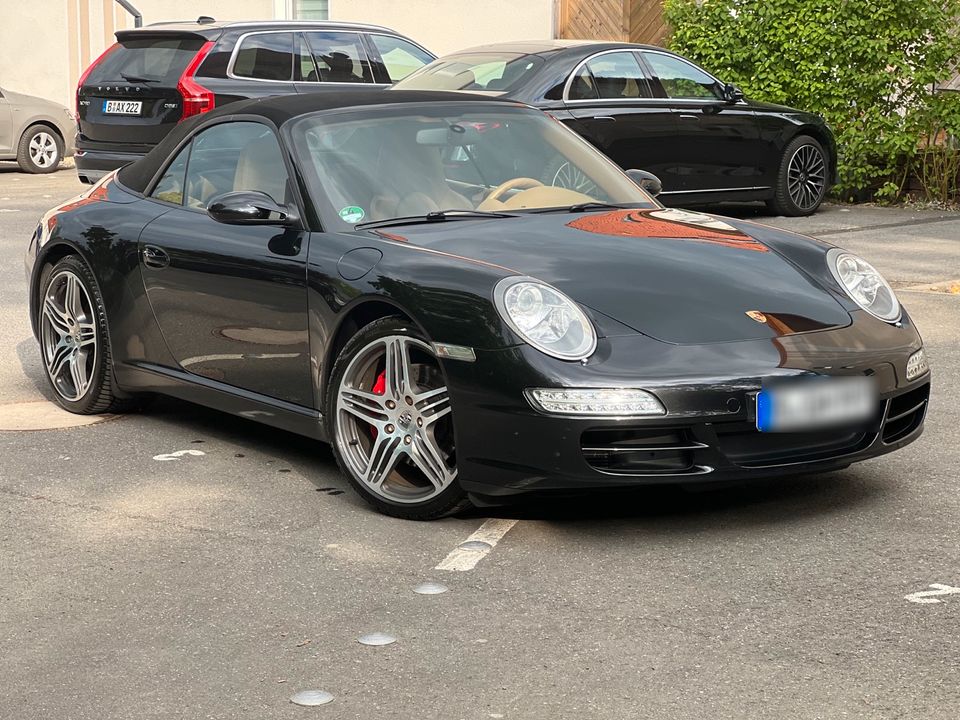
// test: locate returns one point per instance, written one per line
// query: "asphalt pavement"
(180, 563)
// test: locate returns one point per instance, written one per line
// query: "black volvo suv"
(156, 76)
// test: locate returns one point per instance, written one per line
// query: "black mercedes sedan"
(401, 280)
(648, 108)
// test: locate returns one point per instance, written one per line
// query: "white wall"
(444, 26)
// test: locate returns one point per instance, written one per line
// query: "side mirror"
(250, 207)
(646, 181)
(732, 94)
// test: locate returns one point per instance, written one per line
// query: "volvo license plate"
(122, 107)
(815, 404)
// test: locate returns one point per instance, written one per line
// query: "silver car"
(37, 133)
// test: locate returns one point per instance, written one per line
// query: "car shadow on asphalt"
(28, 354)
(758, 502)
(754, 502)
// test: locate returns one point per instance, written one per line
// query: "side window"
(680, 79)
(170, 187)
(399, 56)
(340, 57)
(235, 156)
(265, 56)
(582, 87)
(618, 76)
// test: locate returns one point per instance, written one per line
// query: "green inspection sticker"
(352, 214)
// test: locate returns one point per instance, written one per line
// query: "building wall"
(443, 26)
(46, 44)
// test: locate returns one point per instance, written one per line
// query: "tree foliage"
(870, 67)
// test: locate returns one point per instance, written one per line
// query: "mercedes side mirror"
(250, 207)
(648, 182)
(732, 94)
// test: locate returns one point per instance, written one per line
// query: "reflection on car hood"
(677, 276)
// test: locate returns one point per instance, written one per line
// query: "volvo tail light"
(86, 74)
(196, 98)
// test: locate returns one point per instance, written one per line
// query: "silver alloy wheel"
(68, 336)
(398, 443)
(43, 149)
(573, 178)
(806, 177)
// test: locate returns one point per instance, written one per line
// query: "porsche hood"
(677, 276)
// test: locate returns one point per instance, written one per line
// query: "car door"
(717, 144)
(230, 300)
(610, 102)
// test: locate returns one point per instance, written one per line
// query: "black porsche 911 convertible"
(403, 281)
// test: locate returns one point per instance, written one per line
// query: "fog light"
(601, 402)
(916, 365)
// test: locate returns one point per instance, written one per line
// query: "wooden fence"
(639, 21)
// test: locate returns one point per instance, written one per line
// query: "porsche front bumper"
(708, 433)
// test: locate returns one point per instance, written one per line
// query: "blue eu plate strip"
(764, 411)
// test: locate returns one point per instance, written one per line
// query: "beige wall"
(443, 26)
(46, 44)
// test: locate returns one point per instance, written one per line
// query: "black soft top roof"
(278, 110)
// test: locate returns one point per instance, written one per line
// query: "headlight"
(545, 318)
(864, 284)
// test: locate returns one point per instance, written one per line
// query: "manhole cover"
(43, 415)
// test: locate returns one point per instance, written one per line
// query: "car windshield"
(492, 72)
(409, 160)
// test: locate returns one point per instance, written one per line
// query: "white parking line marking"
(178, 454)
(930, 596)
(472, 550)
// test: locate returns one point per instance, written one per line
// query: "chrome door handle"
(155, 257)
(689, 116)
(605, 118)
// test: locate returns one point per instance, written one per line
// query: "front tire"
(390, 422)
(74, 342)
(801, 179)
(40, 150)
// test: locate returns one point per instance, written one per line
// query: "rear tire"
(390, 423)
(40, 150)
(801, 179)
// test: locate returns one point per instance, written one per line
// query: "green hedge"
(868, 66)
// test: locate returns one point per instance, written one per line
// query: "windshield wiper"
(137, 78)
(586, 206)
(435, 216)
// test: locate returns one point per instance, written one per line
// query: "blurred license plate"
(122, 107)
(815, 404)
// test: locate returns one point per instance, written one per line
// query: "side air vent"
(905, 413)
(640, 451)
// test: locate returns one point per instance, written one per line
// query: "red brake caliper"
(379, 388)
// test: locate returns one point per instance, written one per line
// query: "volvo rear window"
(159, 60)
